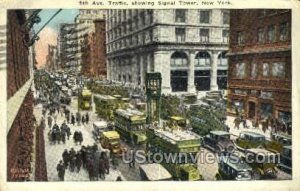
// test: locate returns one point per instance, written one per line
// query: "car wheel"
(218, 176)
(271, 173)
(256, 175)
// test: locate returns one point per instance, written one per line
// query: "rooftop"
(155, 171)
(235, 163)
(176, 135)
(104, 97)
(220, 133)
(253, 134)
(128, 113)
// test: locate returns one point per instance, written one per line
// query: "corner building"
(259, 76)
(187, 47)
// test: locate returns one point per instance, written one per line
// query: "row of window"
(204, 34)
(269, 34)
(267, 70)
(133, 40)
(133, 20)
(205, 16)
(201, 59)
(270, 12)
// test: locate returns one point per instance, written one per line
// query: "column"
(213, 72)
(142, 70)
(162, 65)
(108, 70)
(191, 73)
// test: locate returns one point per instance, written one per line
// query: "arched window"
(202, 59)
(222, 59)
(179, 59)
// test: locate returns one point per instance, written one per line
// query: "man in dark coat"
(66, 157)
(102, 168)
(87, 118)
(78, 161)
(61, 170)
(73, 119)
(68, 132)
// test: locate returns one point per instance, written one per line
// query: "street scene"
(149, 95)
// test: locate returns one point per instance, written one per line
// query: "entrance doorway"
(251, 109)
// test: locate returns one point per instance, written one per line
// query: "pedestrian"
(101, 168)
(119, 178)
(80, 137)
(82, 119)
(73, 119)
(78, 161)
(61, 170)
(68, 117)
(68, 132)
(63, 137)
(66, 157)
(72, 163)
(87, 118)
(50, 121)
(78, 118)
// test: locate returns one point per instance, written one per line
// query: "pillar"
(162, 64)
(191, 73)
(214, 72)
(142, 70)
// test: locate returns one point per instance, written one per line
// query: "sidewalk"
(236, 132)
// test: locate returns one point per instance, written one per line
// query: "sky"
(49, 34)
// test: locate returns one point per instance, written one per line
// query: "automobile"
(286, 159)
(231, 167)
(263, 162)
(248, 139)
(154, 172)
(98, 128)
(218, 141)
(111, 140)
(282, 139)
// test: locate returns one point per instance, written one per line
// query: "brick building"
(20, 122)
(52, 58)
(259, 76)
(94, 52)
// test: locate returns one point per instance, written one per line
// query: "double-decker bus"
(184, 145)
(131, 125)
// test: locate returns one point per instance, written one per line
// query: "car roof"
(253, 134)
(288, 147)
(261, 151)
(231, 161)
(155, 171)
(220, 133)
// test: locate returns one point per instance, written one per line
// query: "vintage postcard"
(195, 94)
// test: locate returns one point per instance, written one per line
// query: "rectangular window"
(226, 17)
(204, 35)
(283, 31)
(240, 70)
(205, 16)
(260, 35)
(271, 33)
(180, 15)
(253, 71)
(240, 38)
(225, 35)
(180, 34)
(278, 69)
(266, 69)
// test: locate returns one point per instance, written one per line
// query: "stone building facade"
(187, 46)
(94, 52)
(260, 75)
(20, 122)
(68, 46)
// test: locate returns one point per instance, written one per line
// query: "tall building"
(187, 47)
(260, 75)
(85, 24)
(68, 46)
(52, 58)
(20, 122)
(94, 52)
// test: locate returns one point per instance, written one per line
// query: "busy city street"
(149, 95)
